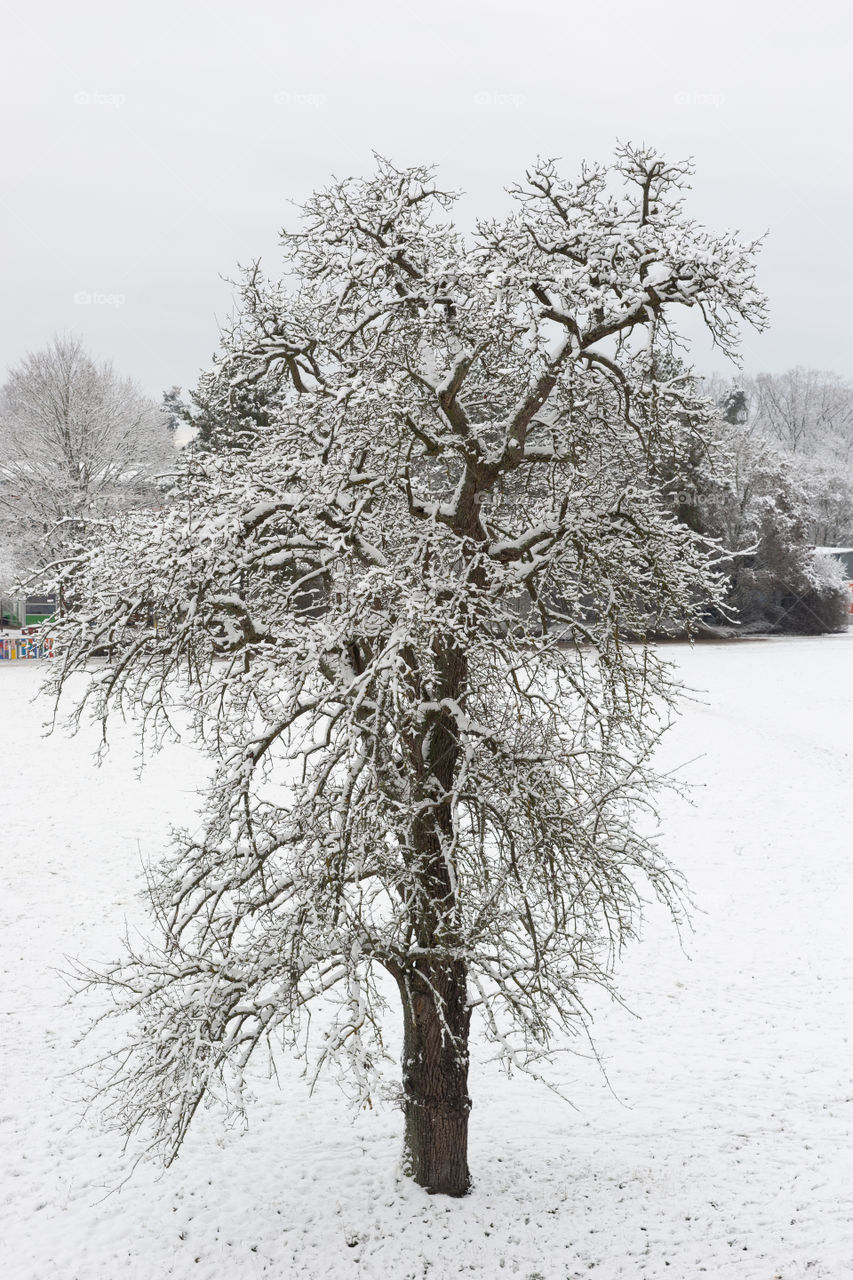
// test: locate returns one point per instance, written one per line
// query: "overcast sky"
(150, 148)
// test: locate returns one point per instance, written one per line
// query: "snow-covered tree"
(831, 504)
(399, 617)
(77, 441)
(807, 411)
(769, 494)
(763, 512)
(173, 410)
(214, 424)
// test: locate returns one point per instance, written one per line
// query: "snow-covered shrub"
(818, 599)
(757, 501)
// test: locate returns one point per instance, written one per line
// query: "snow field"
(722, 1146)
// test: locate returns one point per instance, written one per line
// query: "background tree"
(77, 441)
(772, 486)
(221, 416)
(397, 618)
(173, 409)
(761, 509)
(807, 411)
(831, 490)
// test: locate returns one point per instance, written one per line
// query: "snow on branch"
(407, 611)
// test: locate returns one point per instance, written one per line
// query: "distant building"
(26, 611)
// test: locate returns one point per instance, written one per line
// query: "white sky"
(151, 147)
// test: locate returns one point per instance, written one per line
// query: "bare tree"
(807, 416)
(76, 441)
(397, 614)
(807, 411)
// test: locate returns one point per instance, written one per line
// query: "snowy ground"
(723, 1150)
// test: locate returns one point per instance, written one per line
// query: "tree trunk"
(433, 983)
(436, 1018)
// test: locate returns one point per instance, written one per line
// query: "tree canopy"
(407, 615)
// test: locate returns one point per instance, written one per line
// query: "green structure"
(26, 611)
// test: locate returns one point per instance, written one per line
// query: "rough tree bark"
(436, 1019)
(436, 1013)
